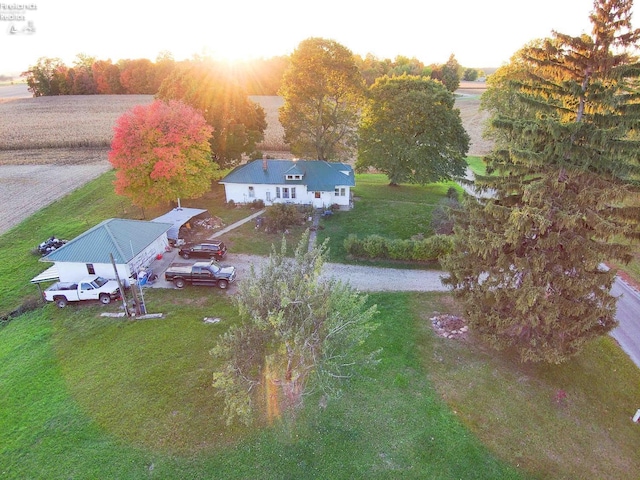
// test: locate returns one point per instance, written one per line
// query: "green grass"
(393, 211)
(477, 165)
(561, 421)
(84, 208)
(112, 398)
(246, 239)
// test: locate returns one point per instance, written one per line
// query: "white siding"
(148, 255)
(239, 193)
(342, 200)
(74, 272)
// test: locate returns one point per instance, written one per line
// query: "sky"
(480, 34)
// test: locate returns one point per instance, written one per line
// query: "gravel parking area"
(366, 279)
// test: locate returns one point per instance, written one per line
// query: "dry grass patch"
(28, 188)
(473, 120)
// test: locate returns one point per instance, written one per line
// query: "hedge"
(378, 247)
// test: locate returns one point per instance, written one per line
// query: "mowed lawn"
(401, 212)
(84, 396)
(110, 398)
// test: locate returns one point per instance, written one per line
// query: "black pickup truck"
(200, 273)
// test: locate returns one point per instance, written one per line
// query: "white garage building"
(134, 244)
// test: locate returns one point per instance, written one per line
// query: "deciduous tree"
(411, 131)
(299, 333)
(372, 67)
(83, 82)
(323, 93)
(238, 123)
(502, 99)
(470, 75)
(44, 77)
(451, 74)
(138, 76)
(527, 262)
(161, 153)
(107, 77)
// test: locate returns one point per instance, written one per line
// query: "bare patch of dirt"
(449, 326)
(54, 156)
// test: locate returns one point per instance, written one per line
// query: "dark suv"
(215, 249)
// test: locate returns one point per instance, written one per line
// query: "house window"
(294, 177)
(277, 192)
(252, 192)
(293, 192)
(340, 192)
(90, 269)
(285, 192)
(317, 195)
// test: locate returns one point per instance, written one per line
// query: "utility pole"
(122, 294)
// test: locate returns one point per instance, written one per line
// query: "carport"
(178, 217)
(49, 275)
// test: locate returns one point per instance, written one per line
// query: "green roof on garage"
(121, 237)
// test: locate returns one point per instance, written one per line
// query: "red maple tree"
(161, 152)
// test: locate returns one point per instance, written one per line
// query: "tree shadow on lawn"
(557, 421)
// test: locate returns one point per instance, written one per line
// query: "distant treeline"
(90, 76)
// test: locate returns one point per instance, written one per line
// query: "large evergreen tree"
(528, 262)
(323, 92)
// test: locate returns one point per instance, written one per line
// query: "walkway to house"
(314, 228)
(237, 224)
(312, 233)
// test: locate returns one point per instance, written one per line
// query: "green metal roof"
(317, 175)
(120, 237)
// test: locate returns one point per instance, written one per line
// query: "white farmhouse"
(305, 182)
(134, 244)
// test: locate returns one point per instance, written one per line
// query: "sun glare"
(230, 52)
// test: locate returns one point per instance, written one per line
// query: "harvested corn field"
(63, 121)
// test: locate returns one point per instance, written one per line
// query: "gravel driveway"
(366, 279)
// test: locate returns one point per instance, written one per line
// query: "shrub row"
(376, 246)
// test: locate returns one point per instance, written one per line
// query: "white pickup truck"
(91, 288)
